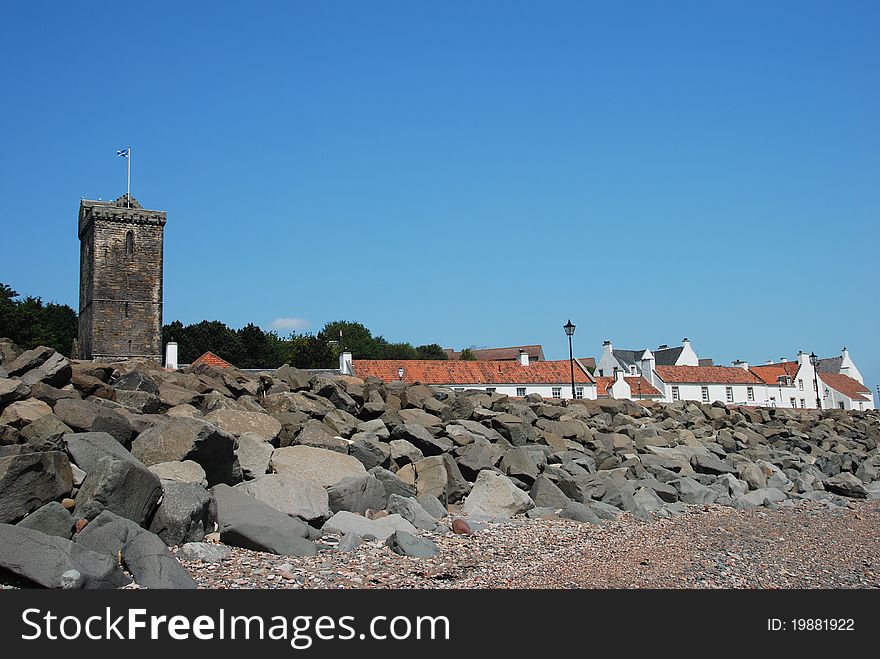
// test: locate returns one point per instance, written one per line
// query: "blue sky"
(467, 173)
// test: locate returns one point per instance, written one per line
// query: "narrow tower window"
(129, 244)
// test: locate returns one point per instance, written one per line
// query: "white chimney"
(523, 358)
(769, 361)
(606, 348)
(171, 355)
(685, 342)
(741, 364)
(619, 375)
(345, 367)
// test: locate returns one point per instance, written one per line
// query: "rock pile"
(105, 466)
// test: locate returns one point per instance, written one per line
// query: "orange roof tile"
(637, 384)
(707, 374)
(210, 359)
(770, 373)
(454, 372)
(846, 385)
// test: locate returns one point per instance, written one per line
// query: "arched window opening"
(129, 244)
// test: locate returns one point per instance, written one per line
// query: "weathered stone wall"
(121, 261)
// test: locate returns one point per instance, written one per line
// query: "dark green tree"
(467, 355)
(431, 351)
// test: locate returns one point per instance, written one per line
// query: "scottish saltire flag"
(122, 152)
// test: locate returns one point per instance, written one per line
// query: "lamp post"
(569, 330)
(815, 362)
(400, 373)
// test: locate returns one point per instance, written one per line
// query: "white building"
(731, 385)
(630, 361)
(550, 379)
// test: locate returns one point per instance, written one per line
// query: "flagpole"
(128, 195)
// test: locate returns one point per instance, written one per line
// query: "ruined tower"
(120, 280)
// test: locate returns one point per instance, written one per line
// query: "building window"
(129, 244)
(801, 384)
(557, 392)
(704, 393)
(840, 405)
(521, 392)
(578, 392)
(750, 393)
(601, 373)
(632, 369)
(861, 407)
(675, 395)
(793, 402)
(729, 394)
(803, 403)
(490, 390)
(787, 382)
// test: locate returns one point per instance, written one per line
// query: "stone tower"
(120, 280)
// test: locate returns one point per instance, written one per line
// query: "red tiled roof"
(770, 373)
(454, 372)
(210, 359)
(534, 352)
(846, 385)
(707, 374)
(637, 384)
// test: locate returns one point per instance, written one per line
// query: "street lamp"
(400, 373)
(569, 330)
(815, 362)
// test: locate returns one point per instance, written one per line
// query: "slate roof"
(706, 375)
(830, 364)
(662, 356)
(451, 372)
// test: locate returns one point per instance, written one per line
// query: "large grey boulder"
(357, 494)
(86, 448)
(186, 471)
(295, 378)
(137, 380)
(186, 513)
(237, 423)
(190, 439)
(407, 544)
(153, 566)
(757, 498)
(31, 480)
(317, 435)
(432, 477)
(518, 462)
(12, 390)
(29, 360)
(55, 372)
(752, 475)
(495, 495)
(294, 496)
(108, 533)
(479, 456)
(579, 512)
(369, 450)
(88, 416)
(546, 494)
(404, 452)
(393, 484)
(45, 433)
(23, 412)
(412, 511)
(124, 487)
(846, 484)
(54, 562)
(691, 491)
(345, 522)
(246, 522)
(422, 439)
(254, 454)
(51, 519)
(321, 466)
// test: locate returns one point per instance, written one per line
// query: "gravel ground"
(805, 545)
(808, 545)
